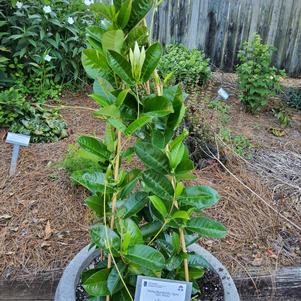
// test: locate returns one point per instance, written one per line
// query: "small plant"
(257, 79)
(21, 116)
(239, 143)
(186, 66)
(282, 116)
(147, 216)
(293, 97)
(222, 108)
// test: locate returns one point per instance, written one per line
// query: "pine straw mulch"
(43, 222)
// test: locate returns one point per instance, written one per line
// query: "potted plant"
(147, 219)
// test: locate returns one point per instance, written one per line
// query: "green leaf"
(108, 111)
(130, 182)
(194, 273)
(173, 262)
(146, 256)
(199, 197)
(130, 233)
(151, 228)
(175, 242)
(153, 55)
(134, 204)
(195, 260)
(158, 184)
(121, 97)
(158, 138)
(94, 182)
(121, 67)
(180, 214)
(104, 10)
(96, 285)
(137, 124)
(159, 205)
(157, 106)
(114, 282)
(95, 203)
(138, 34)
(206, 227)
(152, 156)
(110, 139)
(124, 13)
(185, 167)
(113, 40)
(139, 10)
(103, 88)
(103, 237)
(93, 146)
(177, 150)
(117, 124)
(122, 296)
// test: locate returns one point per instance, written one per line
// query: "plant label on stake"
(17, 140)
(157, 289)
(223, 94)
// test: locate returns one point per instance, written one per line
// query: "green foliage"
(239, 143)
(293, 97)
(46, 38)
(143, 214)
(282, 116)
(20, 116)
(257, 79)
(187, 66)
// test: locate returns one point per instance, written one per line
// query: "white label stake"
(17, 140)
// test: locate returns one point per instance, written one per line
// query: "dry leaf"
(48, 231)
(5, 216)
(45, 244)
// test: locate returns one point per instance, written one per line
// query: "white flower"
(19, 5)
(70, 20)
(89, 2)
(47, 58)
(47, 9)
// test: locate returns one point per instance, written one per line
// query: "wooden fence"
(219, 27)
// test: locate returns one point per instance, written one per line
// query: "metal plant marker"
(223, 94)
(16, 140)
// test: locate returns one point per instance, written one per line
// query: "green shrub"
(257, 79)
(20, 116)
(188, 66)
(293, 97)
(46, 39)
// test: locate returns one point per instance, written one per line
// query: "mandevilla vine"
(146, 218)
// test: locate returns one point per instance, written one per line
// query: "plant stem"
(138, 101)
(183, 244)
(114, 197)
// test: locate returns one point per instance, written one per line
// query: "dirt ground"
(43, 222)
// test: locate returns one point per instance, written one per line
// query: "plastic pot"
(67, 286)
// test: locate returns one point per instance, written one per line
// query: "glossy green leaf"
(94, 182)
(93, 146)
(183, 170)
(124, 13)
(95, 203)
(158, 138)
(153, 55)
(117, 124)
(157, 106)
(134, 204)
(152, 157)
(145, 256)
(103, 88)
(158, 184)
(151, 228)
(104, 238)
(159, 205)
(96, 285)
(199, 197)
(137, 124)
(113, 40)
(121, 97)
(130, 182)
(121, 67)
(110, 111)
(194, 273)
(174, 262)
(195, 260)
(103, 10)
(206, 227)
(110, 138)
(114, 282)
(180, 214)
(139, 10)
(122, 296)
(138, 34)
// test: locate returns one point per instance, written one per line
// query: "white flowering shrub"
(45, 41)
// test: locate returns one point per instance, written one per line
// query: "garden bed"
(44, 223)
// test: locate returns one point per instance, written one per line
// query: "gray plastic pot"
(70, 278)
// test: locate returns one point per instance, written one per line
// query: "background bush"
(43, 41)
(257, 79)
(188, 66)
(20, 116)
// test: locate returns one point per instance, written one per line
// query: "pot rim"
(67, 286)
